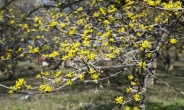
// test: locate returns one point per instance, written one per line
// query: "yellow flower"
(144, 45)
(69, 75)
(45, 88)
(148, 55)
(127, 108)
(109, 55)
(12, 21)
(80, 22)
(65, 57)
(133, 83)
(136, 108)
(46, 73)
(38, 76)
(119, 100)
(11, 91)
(96, 14)
(80, 9)
(36, 50)
(73, 31)
(28, 87)
(116, 51)
(111, 9)
(48, 88)
(69, 82)
(94, 76)
(103, 11)
(58, 80)
(81, 76)
(14, 88)
(58, 74)
(173, 41)
(122, 29)
(10, 10)
(36, 19)
(111, 39)
(101, 71)
(42, 87)
(53, 23)
(62, 25)
(91, 56)
(106, 22)
(2, 57)
(91, 71)
(142, 64)
(130, 77)
(54, 54)
(25, 26)
(19, 83)
(129, 89)
(136, 97)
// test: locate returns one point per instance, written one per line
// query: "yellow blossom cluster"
(119, 100)
(69, 82)
(54, 54)
(19, 85)
(110, 55)
(136, 97)
(132, 82)
(81, 76)
(172, 5)
(62, 25)
(142, 64)
(44, 73)
(145, 45)
(94, 74)
(69, 49)
(173, 41)
(71, 75)
(45, 88)
(33, 50)
(130, 77)
(58, 73)
(37, 20)
(58, 77)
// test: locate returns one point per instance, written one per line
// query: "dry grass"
(84, 96)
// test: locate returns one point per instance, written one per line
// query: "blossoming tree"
(131, 33)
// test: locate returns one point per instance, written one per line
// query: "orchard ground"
(80, 96)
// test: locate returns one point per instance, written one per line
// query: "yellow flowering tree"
(121, 32)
